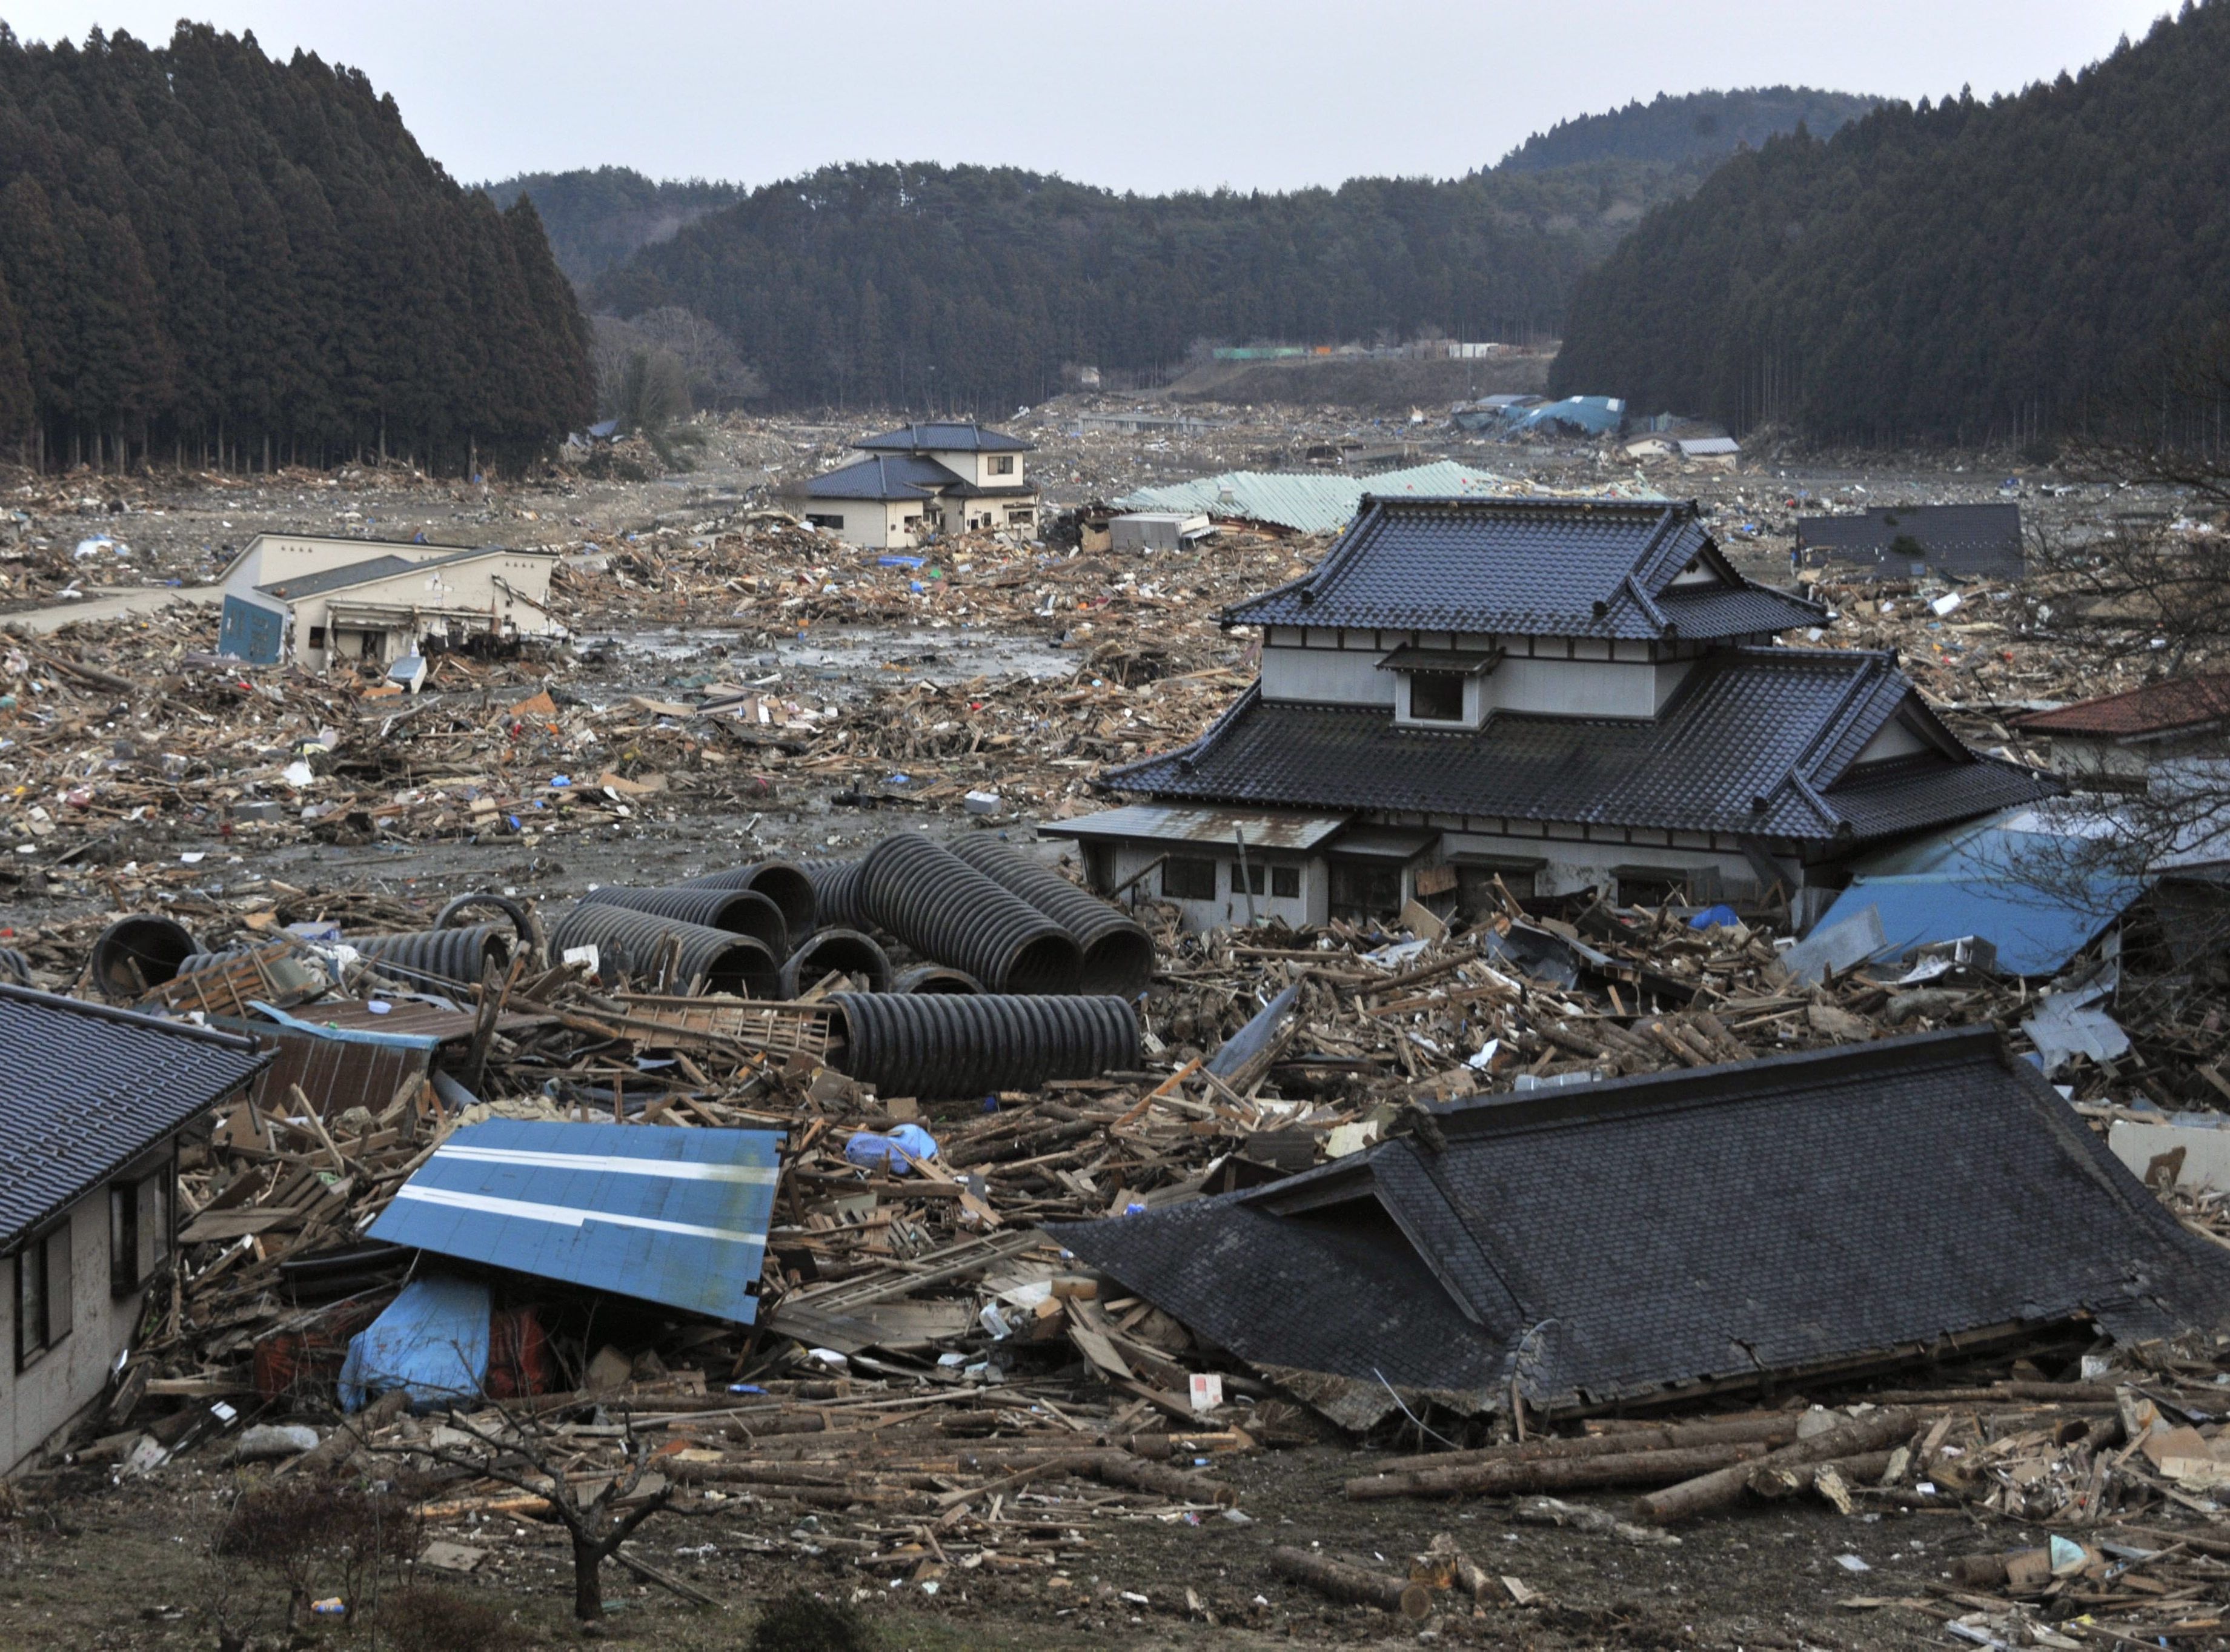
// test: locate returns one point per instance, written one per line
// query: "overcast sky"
(1142, 94)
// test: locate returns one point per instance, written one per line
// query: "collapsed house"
(1917, 542)
(90, 1117)
(923, 480)
(2113, 743)
(1557, 694)
(331, 602)
(1656, 1238)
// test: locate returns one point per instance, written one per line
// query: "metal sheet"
(1312, 504)
(334, 1075)
(1157, 822)
(677, 1216)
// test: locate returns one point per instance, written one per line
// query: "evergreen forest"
(595, 218)
(2016, 270)
(209, 256)
(1706, 127)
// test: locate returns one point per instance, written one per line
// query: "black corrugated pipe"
(439, 958)
(836, 888)
(780, 881)
(522, 919)
(135, 955)
(1119, 954)
(627, 942)
(847, 950)
(946, 910)
(14, 968)
(937, 977)
(739, 911)
(939, 1045)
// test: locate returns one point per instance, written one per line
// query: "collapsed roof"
(1628, 1240)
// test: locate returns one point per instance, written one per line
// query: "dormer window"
(1436, 696)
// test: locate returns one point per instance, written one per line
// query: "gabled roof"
(1578, 568)
(2158, 708)
(903, 476)
(90, 1088)
(1983, 541)
(363, 573)
(1755, 741)
(946, 437)
(1614, 1241)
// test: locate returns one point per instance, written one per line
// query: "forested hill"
(906, 285)
(595, 219)
(1699, 127)
(206, 254)
(1964, 272)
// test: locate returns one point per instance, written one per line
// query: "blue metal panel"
(248, 631)
(672, 1216)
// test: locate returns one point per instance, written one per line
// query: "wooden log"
(1336, 1580)
(1724, 1485)
(1661, 1468)
(1119, 1469)
(1788, 1479)
(1778, 1429)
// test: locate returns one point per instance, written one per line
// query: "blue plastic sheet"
(876, 1152)
(1714, 918)
(432, 1341)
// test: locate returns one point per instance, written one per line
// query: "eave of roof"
(944, 436)
(2164, 707)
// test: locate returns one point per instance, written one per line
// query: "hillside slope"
(1967, 272)
(596, 219)
(1700, 127)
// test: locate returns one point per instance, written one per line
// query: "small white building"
(325, 602)
(90, 1119)
(922, 479)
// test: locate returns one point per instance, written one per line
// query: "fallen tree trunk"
(1336, 1580)
(1505, 1478)
(1724, 1485)
(1772, 1431)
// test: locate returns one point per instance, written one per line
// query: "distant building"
(89, 1125)
(1913, 541)
(1560, 694)
(325, 602)
(925, 479)
(2113, 743)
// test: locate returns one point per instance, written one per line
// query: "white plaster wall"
(1894, 740)
(1568, 867)
(70, 1377)
(1312, 906)
(1326, 676)
(1573, 689)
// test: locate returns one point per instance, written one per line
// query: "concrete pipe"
(780, 881)
(439, 959)
(946, 910)
(135, 955)
(1119, 954)
(935, 1045)
(739, 911)
(630, 943)
(844, 950)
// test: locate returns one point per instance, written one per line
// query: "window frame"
(1285, 882)
(1440, 681)
(828, 520)
(1002, 464)
(37, 1258)
(1257, 876)
(142, 1222)
(1198, 873)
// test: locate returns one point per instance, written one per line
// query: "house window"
(44, 1303)
(1185, 877)
(1436, 696)
(823, 519)
(139, 1229)
(1475, 887)
(1254, 879)
(1362, 890)
(317, 636)
(1285, 883)
(1002, 465)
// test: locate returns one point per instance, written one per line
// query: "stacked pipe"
(931, 1045)
(836, 888)
(787, 886)
(844, 951)
(440, 957)
(937, 977)
(136, 954)
(630, 943)
(944, 909)
(1119, 954)
(739, 911)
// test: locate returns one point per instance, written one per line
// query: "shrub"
(799, 1622)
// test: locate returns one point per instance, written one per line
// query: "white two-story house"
(1560, 694)
(925, 479)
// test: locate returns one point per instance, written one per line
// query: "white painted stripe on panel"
(565, 1217)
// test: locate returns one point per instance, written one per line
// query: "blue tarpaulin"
(2035, 882)
(677, 1216)
(432, 1340)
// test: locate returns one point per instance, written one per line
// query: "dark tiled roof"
(1782, 725)
(89, 1089)
(1591, 568)
(1979, 539)
(359, 573)
(948, 438)
(2156, 708)
(1612, 1240)
(905, 476)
